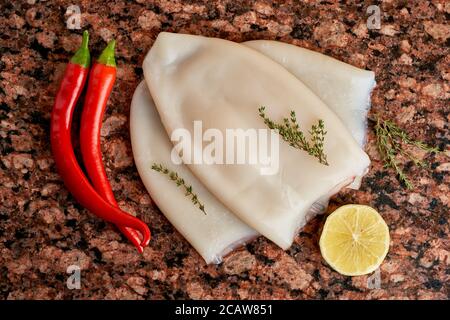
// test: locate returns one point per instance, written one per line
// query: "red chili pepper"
(65, 160)
(101, 81)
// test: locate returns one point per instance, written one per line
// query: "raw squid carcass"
(343, 87)
(223, 84)
(213, 235)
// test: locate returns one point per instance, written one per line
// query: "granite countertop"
(43, 230)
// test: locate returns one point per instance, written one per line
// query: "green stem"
(107, 55)
(82, 56)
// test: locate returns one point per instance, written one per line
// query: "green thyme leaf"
(390, 140)
(180, 182)
(290, 131)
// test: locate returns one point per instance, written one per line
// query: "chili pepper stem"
(82, 56)
(107, 55)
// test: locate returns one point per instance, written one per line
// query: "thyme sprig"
(390, 140)
(180, 183)
(290, 131)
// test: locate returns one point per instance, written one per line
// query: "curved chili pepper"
(65, 160)
(101, 81)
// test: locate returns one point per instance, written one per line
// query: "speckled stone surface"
(43, 230)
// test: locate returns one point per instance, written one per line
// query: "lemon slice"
(354, 240)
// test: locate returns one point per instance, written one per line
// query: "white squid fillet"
(213, 235)
(343, 87)
(223, 84)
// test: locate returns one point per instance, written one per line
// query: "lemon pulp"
(354, 240)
